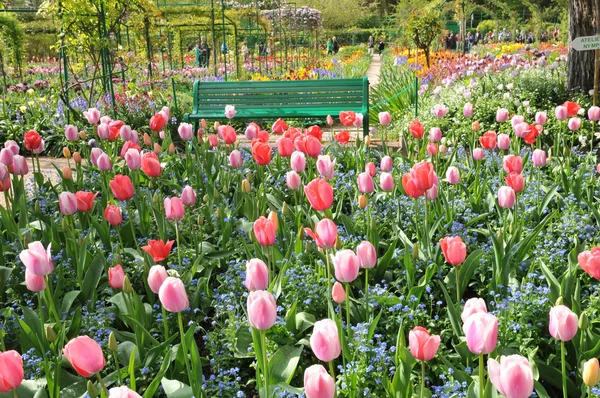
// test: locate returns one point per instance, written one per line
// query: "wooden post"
(596, 54)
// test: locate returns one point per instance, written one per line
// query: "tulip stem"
(348, 311)
(329, 307)
(184, 348)
(422, 379)
(164, 321)
(481, 376)
(117, 367)
(367, 294)
(178, 245)
(15, 393)
(332, 372)
(263, 338)
(50, 300)
(563, 368)
(102, 384)
(457, 285)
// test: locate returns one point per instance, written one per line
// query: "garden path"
(374, 68)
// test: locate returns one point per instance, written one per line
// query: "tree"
(582, 20)
(337, 14)
(423, 27)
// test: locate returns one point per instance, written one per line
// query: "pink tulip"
(235, 159)
(103, 131)
(371, 169)
(113, 215)
(367, 255)
(440, 110)
(561, 112)
(594, 113)
(188, 196)
(174, 209)
(125, 132)
(105, 119)
(326, 166)
(506, 197)
(325, 341)
(11, 371)
(325, 233)
(338, 294)
(432, 148)
(12, 146)
(478, 154)
(432, 193)
(454, 249)
(285, 147)
(386, 182)
(358, 120)
(329, 120)
(230, 111)
(423, 346)
(251, 131)
(501, 115)
(257, 275)
(521, 129)
(264, 230)
(85, 355)
(589, 261)
(292, 180)
(435, 134)
(133, 159)
(186, 131)
(318, 383)
(516, 120)
(346, 265)
(468, 109)
(512, 164)
(71, 132)
(116, 276)
(504, 141)
(3, 172)
(33, 282)
(262, 310)
(6, 156)
(574, 123)
(539, 158)
(156, 276)
(104, 163)
(481, 330)
(541, 118)
(513, 376)
(37, 259)
(473, 306)
(385, 118)
(172, 295)
(453, 175)
(298, 162)
(365, 183)
(387, 164)
(67, 203)
(92, 115)
(563, 323)
(213, 140)
(122, 392)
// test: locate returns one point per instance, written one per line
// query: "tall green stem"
(563, 368)
(263, 338)
(178, 245)
(332, 372)
(367, 294)
(329, 305)
(102, 384)
(422, 379)
(348, 310)
(481, 376)
(457, 285)
(184, 348)
(15, 393)
(165, 325)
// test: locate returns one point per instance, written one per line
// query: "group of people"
(452, 41)
(333, 46)
(202, 51)
(371, 45)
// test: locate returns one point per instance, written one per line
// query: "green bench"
(291, 99)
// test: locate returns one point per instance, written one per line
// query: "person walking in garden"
(245, 51)
(329, 47)
(371, 45)
(381, 46)
(198, 54)
(261, 49)
(335, 46)
(555, 34)
(204, 54)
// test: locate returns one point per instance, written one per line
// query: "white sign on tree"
(586, 43)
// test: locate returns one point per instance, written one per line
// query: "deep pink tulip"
(481, 330)
(574, 123)
(365, 183)
(432, 148)
(325, 233)
(113, 215)
(589, 261)
(453, 175)
(561, 112)
(116, 276)
(94, 155)
(594, 113)
(501, 115)
(298, 161)
(257, 275)
(174, 209)
(188, 196)
(319, 193)
(133, 159)
(67, 203)
(292, 180)
(172, 295)
(371, 169)
(563, 323)
(387, 164)
(264, 230)
(541, 118)
(423, 346)
(262, 310)
(346, 265)
(435, 134)
(33, 282)
(515, 181)
(156, 276)
(285, 147)
(318, 383)
(92, 115)
(104, 163)
(367, 255)
(468, 109)
(512, 164)
(126, 132)
(71, 132)
(503, 141)
(37, 259)
(235, 159)
(325, 341)
(513, 376)
(103, 131)
(386, 182)
(186, 131)
(122, 392)
(506, 197)
(11, 371)
(338, 294)
(478, 154)
(454, 249)
(385, 118)
(151, 165)
(473, 306)
(85, 355)
(6, 156)
(326, 166)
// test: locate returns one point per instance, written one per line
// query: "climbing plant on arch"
(12, 37)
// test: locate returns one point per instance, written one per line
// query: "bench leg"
(365, 126)
(196, 127)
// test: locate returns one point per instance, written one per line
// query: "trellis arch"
(12, 34)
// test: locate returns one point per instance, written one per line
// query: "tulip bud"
(172, 148)
(245, 186)
(37, 206)
(67, 153)
(475, 126)
(203, 124)
(583, 321)
(82, 135)
(200, 220)
(285, 209)
(206, 198)
(225, 189)
(373, 224)
(112, 342)
(250, 177)
(368, 140)
(215, 193)
(150, 185)
(67, 173)
(591, 372)
(26, 240)
(362, 201)
(77, 157)
(274, 219)
(147, 139)
(218, 212)
(559, 301)
(157, 148)
(216, 125)
(50, 333)
(127, 288)
(91, 389)
(301, 232)
(156, 199)
(338, 243)
(416, 250)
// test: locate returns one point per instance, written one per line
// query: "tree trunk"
(581, 63)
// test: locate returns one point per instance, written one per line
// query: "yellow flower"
(30, 91)
(23, 108)
(31, 103)
(591, 372)
(43, 100)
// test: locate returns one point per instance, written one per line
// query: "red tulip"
(115, 129)
(228, 134)
(347, 118)
(319, 194)
(150, 164)
(85, 200)
(264, 230)
(488, 140)
(158, 249)
(85, 355)
(572, 108)
(513, 164)
(342, 137)
(158, 122)
(33, 141)
(121, 187)
(424, 175)
(423, 346)
(213, 140)
(315, 131)
(410, 187)
(416, 129)
(312, 146)
(261, 153)
(285, 146)
(279, 126)
(112, 214)
(263, 136)
(515, 181)
(454, 249)
(532, 132)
